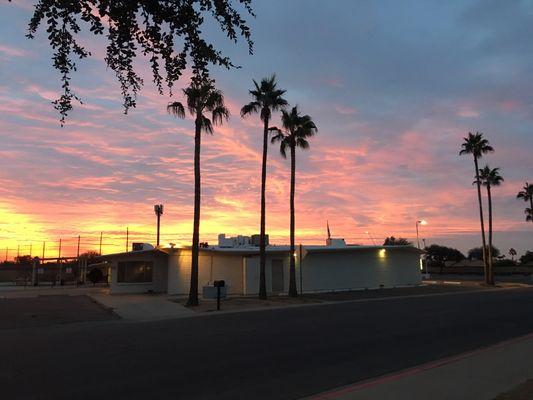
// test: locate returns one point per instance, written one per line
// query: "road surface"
(272, 354)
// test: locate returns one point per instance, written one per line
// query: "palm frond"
(250, 108)
(219, 114)
(176, 108)
(207, 126)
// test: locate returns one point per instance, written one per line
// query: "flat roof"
(269, 250)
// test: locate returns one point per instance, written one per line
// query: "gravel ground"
(252, 302)
(49, 310)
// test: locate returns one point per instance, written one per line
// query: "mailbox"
(219, 283)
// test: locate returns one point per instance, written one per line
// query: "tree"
(201, 99)
(477, 145)
(512, 253)
(90, 255)
(95, 275)
(296, 130)
(490, 178)
(167, 32)
(266, 98)
(527, 195)
(438, 255)
(476, 253)
(527, 257)
(392, 241)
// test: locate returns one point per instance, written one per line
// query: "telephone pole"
(59, 261)
(127, 237)
(101, 233)
(158, 209)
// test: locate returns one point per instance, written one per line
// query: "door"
(277, 276)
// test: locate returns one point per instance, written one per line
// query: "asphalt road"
(272, 354)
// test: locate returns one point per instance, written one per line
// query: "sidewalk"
(142, 307)
(478, 375)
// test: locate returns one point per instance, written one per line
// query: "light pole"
(371, 238)
(419, 222)
(158, 209)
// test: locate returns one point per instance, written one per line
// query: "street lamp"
(158, 209)
(421, 222)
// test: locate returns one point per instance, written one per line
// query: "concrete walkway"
(478, 375)
(143, 307)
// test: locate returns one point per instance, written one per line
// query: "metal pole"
(59, 260)
(301, 277)
(31, 248)
(158, 227)
(6, 253)
(78, 260)
(127, 237)
(18, 253)
(417, 240)
(101, 243)
(44, 246)
(425, 256)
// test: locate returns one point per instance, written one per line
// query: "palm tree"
(490, 178)
(202, 98)
(512, 253)
(296, 130)
(266, 99)
(527, 195)
(477, 145)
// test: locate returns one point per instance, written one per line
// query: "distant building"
(334, 267)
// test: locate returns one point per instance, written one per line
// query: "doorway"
(277, 276)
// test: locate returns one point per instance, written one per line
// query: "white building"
(318, 268)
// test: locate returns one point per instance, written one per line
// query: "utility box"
(209, 292)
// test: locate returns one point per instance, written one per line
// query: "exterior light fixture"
(382, 253)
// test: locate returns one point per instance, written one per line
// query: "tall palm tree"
(529, 214)
(512, 253)
(266, 99)
(296, 130)
(477, 145)
(202, 98)
(527, 195)
(490, 178)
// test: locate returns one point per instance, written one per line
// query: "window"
(135, 272)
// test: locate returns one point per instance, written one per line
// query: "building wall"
(212, 266)
(251, 272)
(329, 271)
(361, 269)
(159, 274)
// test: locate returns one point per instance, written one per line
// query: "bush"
(95, 275)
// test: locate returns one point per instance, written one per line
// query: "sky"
(392, 86)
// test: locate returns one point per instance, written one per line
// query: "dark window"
(135, 272)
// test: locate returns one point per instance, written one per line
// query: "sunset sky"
(392, 86)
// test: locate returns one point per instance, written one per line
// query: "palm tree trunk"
(484, 242)
(193, 292)
(292, 268)
(262, 239)
(491, 268)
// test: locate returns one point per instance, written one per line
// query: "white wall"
(360, 269)
(251, 273)
(341, 270)
(212, 266)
